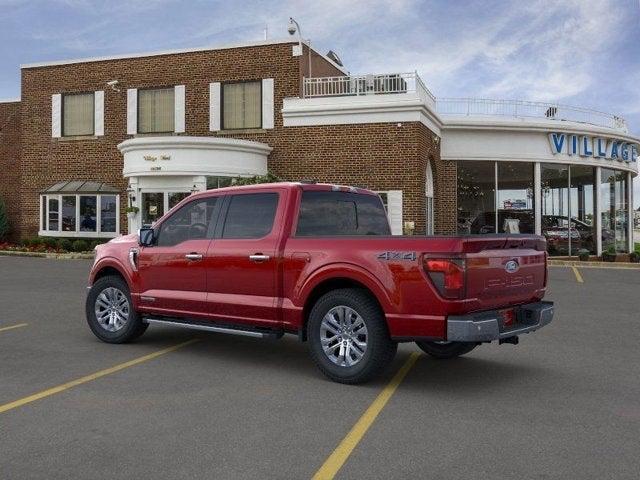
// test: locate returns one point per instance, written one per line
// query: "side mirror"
(146, 237)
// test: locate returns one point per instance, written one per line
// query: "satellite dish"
(334, 56)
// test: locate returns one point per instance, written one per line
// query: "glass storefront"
(613, 207)
(515, 198)
(476, 197)
(500, 197)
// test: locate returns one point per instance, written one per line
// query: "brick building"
(90, 137)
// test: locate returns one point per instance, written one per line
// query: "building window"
(614, 211)
(78, 114)
(156, 110)
(476, 197)
(218, 182)
(515, 198)
(241, 105)
(79, 216)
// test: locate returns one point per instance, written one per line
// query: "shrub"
(80, 246)
(95, 243)
(49, 242)
(583, 254)
(4, 221)
(26, 242)
(65, 244)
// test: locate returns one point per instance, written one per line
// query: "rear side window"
(250, 216)
(341, 213)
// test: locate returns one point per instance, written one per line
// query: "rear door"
(243, 259)
(172, 273)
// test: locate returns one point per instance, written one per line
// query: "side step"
(212, 327)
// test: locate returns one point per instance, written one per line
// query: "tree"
(268, 178)
(4, 221)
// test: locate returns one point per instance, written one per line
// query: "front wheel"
(110, 312)
(348, 336)
(445, 350)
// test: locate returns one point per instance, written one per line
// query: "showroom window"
(241, 105)
(78, 114)
(78, 215)
(156, 110)
(515, 198)
(218, 182)
(476, 197)
(613, 209)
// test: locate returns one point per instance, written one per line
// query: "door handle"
(258, 257)
(194, 257)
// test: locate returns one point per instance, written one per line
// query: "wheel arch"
(106, 268)
(328, 282)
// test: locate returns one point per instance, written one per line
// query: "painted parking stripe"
(334, 463)
(11, 327)
(576, 272)
(94, 376)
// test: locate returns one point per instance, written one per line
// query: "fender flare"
(111, 262)
(347, 271)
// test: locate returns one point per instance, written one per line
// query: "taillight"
(447, 275)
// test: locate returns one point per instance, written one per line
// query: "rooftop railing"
(526, 109)
(356, 85)
(399, 83)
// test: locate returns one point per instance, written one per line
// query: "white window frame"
(78, 233)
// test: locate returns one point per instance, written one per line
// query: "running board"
(214, 328)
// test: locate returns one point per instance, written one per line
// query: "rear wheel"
(444, 350)
(110, 312)
(348, 336)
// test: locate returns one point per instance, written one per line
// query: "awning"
(81, 186)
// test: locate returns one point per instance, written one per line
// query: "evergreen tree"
(4, 221)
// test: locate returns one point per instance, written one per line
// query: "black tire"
(380, 349)
(134, 326)
(447, 350)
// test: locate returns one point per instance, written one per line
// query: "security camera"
(292, 27)
(112, 84)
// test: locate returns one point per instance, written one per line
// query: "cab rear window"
(341, 213)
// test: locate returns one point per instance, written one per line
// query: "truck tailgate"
(505, 271)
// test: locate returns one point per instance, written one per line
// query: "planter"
(609, 257)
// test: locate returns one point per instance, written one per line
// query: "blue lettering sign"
(573, 146)
(586, 147)
(624, 151)
(601, 147)
(614, 150)
(634, 153)
(557, 142)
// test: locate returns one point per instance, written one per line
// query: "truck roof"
(291, 185)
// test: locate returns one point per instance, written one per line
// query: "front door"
(242, 260)
(172, 273)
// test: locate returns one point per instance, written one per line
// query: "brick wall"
(9, 160)
(377, 156)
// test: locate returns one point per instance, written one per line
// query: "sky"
(577, 52)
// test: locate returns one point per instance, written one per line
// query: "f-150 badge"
(397, 256)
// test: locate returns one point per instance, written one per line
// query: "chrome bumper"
(489, 326)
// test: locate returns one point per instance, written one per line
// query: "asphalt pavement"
(564, 403)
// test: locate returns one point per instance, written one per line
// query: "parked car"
(317, 261)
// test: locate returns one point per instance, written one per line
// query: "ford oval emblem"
(512, 266)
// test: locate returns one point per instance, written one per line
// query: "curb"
(603, 265)
(56, 256)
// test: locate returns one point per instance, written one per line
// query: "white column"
(630, 243)
(537, 198)
(134, 222)
(598, 209)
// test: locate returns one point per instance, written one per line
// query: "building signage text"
(597, 147)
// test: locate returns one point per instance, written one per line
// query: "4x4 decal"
(397, 256)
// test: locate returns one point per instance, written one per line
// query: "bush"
(26, 242)
(80, 246)
(4, 221)
(95, 243)
(583, 254)
(49, 242)
(65, 244)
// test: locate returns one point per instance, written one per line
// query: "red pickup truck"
(318, 261)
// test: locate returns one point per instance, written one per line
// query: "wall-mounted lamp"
(131, 192)
(194, 189)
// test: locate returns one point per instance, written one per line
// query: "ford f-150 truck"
(318, 261)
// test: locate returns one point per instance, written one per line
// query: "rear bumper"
(489, 326)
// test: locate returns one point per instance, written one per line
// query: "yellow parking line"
(94, 376)
(334, 463)
(19, 325)
(577, 274)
